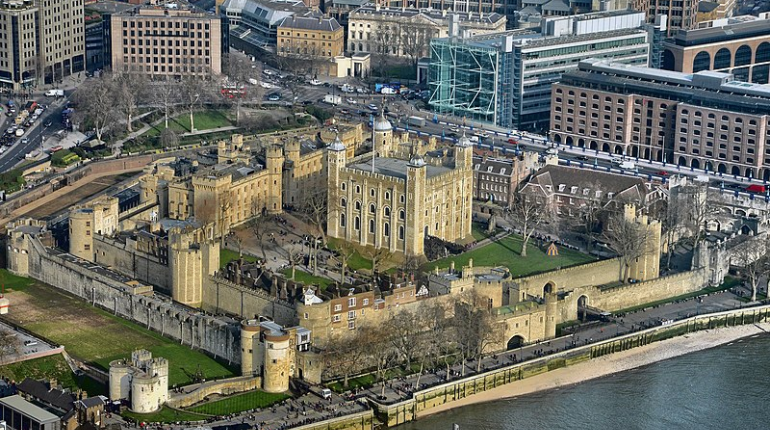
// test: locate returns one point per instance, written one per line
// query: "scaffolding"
(464, 80)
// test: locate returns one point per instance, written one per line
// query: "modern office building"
(740, 46)
(704, 120)
(505, 78)
(19, 414)
(41, 42)
(166, 41)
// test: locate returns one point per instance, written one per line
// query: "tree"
(378, 256)
(194, 93)
(436, 341)
(752, 258)
(415, 39)
(590, 212)
(169, 138)
(405, 330)
(345, 252)
(239, 71)
(377, 339)
(166, 96)
(314, 210)
(673, 217)
(96, 104)
(528, 213)
(129, 92)
(628, 239)
(258, 225)
(410, 264)
(475, 328)
(343, 355)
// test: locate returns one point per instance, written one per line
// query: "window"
(343, 202)
(351, 302)
(342, 220)
(337, 307)
(357, 223)
(351, 325)
(366, 302)
(386, 211)
(386, 230)
(387, 195)
(371, 226)
(401, 232)
(358, 205)
(351, 315)
(401, 214)
(372, 208)
(343, 186)
(336, 318)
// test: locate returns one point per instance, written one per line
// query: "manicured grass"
(479, 231)
(98, 337)
(356, 261)
(308, 279)
(13, 282)
(53, 367)
(228, 255)
(240, 403)
(729, 282)
(204, 120)
(506, 252)
(165, 415)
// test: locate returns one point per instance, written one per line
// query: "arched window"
(358, 189)
(401, 214)
(386, 211)
(387, 195)
(701, 62)
(357, 223)
(401, 232)
(722, 59)
(344, 187)
(386, 230)
(371, 226)
(372, 208)
(372, 192)
(358, 205)
(343, 202)
(743, 56)
(342, 220)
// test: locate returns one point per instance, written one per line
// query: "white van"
(326, 393)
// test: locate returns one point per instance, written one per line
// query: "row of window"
(372, 226)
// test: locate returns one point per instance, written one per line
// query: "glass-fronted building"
(505, 78)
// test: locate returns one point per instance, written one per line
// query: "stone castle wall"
(124, 259)
(223, 296)
(597, 273)
(224, 387)
(177, 322)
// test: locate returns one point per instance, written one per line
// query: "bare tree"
(239, 71)
(405, 329)
(343, 355)
(753, 259)
(475, 328)
(169, 138)
(258, 225)
(345, 252)
(130, 90)
(166, 96)
(410, 264)
(528, 213)
(378, 257)
(194, 93)
(377, 339)
(314, 210)
(437, 339)
(628, 239)
(96, 106)
(414, 40)
(673, 217)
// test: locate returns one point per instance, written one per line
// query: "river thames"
(727, 387)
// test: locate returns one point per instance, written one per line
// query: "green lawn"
(240, 403)
(98, 337)
(506, 253)
(53, 367)
(479, 231)
(228, 255)
(356, 261)
(308, 279)
(204, 120)
(13, 282)
(165, 415)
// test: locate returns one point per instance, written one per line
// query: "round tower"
(145, 394)
(120, 380)
(81, 233)
(382, 136)
(249, 331)
(277, 353)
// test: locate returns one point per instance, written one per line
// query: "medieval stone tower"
(382, 136)
(143, 380)
(416, 176)
(335, 160)
(191, 259)
(293, 152)
(647, 266)
(98, 217)
(268, 350)
(274, 160)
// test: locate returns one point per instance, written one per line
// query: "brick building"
(496, 178)
(706, 120)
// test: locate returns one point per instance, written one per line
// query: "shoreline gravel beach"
(610, 364)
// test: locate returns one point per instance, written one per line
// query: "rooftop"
(311, 23)
(37, 413)
(729, 30)
(432, 14)
(394, 167)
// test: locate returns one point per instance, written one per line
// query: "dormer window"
(573, 190)
(586, 191)
(502, 171)
(562, 187)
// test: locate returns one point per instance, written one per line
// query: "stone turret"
(293, 150)
(382, 134)
(416, 177)
(274, 160)
(192, 258)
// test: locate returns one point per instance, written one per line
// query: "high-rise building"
(505, 78)
(704, 120)
(740, 46)
(165, 41)
(42, 41)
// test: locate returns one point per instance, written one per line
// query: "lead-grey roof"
(395, 168)
(310, 23)
(37, 413)
(731, 31)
